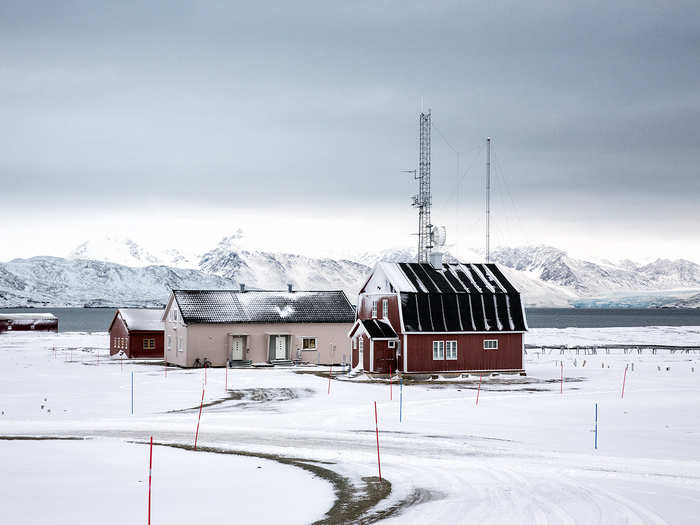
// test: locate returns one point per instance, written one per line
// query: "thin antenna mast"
(488, 199)
(423, 200)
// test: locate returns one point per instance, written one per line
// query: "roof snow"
(142, 319)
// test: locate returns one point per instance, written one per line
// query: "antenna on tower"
(488, 199)
(423, 199)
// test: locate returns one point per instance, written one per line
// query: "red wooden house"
(138, 332)
(418, 318)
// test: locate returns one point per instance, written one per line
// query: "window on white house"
(170, 343)
(374, 309)
(149, 344)
(451, 350)
(490, 344)
(361, 343)
(179, 344)
(385, 308)
(308, 343)
(438, 350)
(392, 344)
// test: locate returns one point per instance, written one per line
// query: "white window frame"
(391, 344)
(374, 309)
(490, 344)
(385, 308)
(451, 350)
(308, 338)
(179, 344)
(170, 343)
(438, 346)
(361, 344)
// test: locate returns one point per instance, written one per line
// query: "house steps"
(243, 363)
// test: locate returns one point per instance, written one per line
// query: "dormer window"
(385, 308)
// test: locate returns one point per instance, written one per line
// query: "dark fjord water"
(98, 319)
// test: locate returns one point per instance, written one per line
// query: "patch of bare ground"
(248, 397)
(353, 504)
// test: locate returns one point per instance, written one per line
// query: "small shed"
(24, 322)
(137, 332)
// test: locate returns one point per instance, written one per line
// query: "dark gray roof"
(378, 329)
(460, 298)
(262, 306)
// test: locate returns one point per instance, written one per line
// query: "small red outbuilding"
(137, 332)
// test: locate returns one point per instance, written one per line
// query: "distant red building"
(137, 332)
(26, 322)
(417, 318)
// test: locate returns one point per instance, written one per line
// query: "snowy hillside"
(53, 281)
(128, 253)
(261, 269)
(121, 272)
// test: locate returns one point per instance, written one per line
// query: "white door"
(237, 348)
(280, 347)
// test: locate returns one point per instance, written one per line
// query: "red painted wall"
(118, 329)
(470, 353)
(136, 344)
(384, 357)
(364, 308)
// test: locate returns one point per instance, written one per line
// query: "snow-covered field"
(525, 454)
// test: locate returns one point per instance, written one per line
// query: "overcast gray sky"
(175, 123)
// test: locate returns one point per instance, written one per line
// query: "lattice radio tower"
(423, 199)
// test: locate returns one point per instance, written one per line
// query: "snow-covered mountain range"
(119, 272)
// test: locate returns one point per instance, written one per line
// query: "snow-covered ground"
(525, 454)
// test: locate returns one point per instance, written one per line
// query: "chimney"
(436, 260)
(290, 288)
(242, 287)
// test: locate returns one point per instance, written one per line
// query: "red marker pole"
(150, 468)
(196, 435)
(376, 426)
(478, 390)
(330, 374)
(624, 379)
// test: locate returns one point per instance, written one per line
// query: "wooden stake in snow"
(150, 468)
(400, 399)
(196, 434)
(376, 426)
(561, 385)
(478, 390)
(624, 379)
(391, 386)
(330, 374)
(132, 393)
(596, 426)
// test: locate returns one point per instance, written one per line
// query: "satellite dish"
(439, 236)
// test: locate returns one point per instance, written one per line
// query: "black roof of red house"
(457, 297)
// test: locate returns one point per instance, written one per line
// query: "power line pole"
(488, 199)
